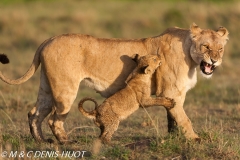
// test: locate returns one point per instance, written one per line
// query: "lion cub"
(126, 101)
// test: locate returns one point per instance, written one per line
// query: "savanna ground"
(213, 105)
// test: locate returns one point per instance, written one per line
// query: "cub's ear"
(195, 30)
(223, 32)
(135, 57)
(158, 54)
(145, 69)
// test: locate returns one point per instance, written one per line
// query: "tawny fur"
(104, 65)
(126, 101)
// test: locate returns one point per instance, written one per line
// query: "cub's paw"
(171, 104)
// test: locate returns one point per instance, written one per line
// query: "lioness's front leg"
(168, 103)
(178, 114)
(172, 124)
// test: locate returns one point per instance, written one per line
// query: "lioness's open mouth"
(207, 68)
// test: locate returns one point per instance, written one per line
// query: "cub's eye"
(206, 46)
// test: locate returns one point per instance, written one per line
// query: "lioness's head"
(207, 48)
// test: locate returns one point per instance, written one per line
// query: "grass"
(213, 105)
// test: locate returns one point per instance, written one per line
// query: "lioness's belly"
(108, 68)
(104, 64)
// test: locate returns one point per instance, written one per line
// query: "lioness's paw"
(49, 140)
(198, 140)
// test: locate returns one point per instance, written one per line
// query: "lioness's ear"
(223, 32)
(135, 57)
(145, 69)
(195, 30)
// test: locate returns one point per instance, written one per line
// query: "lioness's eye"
(220, 50)
(154, 59)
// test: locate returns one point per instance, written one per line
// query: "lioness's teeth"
(213, 67)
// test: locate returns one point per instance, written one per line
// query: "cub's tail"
(92, 114)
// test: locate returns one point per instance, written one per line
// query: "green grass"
(213, 105)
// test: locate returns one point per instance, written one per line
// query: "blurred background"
(25, 24)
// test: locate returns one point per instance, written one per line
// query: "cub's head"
(4, 59)
(208, 48)
(147, 64)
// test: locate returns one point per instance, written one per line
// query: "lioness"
(4, 59)
(104, 65)
(126, 101)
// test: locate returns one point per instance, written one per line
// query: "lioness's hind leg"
(63, 104)
(35, 118)
(56, 122)
(41, 109)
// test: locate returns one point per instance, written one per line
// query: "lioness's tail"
(4, 59)
(93, 113)
(33, 68)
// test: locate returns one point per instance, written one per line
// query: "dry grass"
(213, 105)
